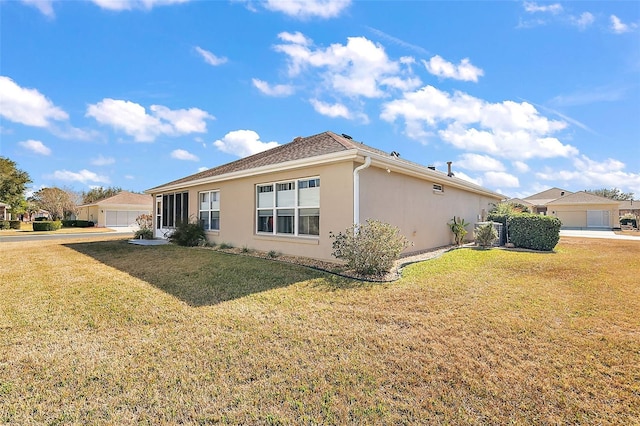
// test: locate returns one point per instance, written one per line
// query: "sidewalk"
(596, 234)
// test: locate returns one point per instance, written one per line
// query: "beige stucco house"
(575, 209)
(119, 210)
(290, 198)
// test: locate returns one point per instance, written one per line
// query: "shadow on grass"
(196, 276)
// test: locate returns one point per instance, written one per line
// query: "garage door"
(123, 217)
(598, 219)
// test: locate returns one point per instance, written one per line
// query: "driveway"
(596, 234)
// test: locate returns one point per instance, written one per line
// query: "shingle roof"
(544, 197)
(630, 205)
(299, 148)
(582, 198)
(126, 197)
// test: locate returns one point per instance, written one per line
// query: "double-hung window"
(210, 210)
(289, 208)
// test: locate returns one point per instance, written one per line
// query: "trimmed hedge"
(14, 224)
(628, 221)
(47, 225)
(77, 224)
(4, 224)
(533, 231)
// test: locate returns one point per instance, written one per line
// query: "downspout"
(356, 189)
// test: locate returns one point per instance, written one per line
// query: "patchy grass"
(111, 333)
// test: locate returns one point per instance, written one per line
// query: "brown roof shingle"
(301, 147)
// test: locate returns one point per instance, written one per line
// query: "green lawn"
(112, 333)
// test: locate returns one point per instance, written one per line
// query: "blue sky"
(521, 96)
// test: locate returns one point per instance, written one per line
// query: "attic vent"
(562, 194)
(395, 154)
(430, 167)
(298, 138)
(344, 135)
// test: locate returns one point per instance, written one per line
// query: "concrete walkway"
(597, 234)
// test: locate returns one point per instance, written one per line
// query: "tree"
(99, 193)
(614, 194)
(13, 183)
(58, 202)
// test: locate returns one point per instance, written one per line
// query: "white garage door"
(123, 217)
(598, 219)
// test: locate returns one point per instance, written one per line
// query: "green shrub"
(67, 223)
(189, 234)
(629, 221)
(370, 248)
(486, 235)
(47, 225)
(457, 226)
(14, 224)
(533, 231)
(225, 246)
(4, 224)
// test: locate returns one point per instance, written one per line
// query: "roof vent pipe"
(449, 172)
(356, 191)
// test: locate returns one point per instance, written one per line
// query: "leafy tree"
(13, 183)
(507, 208)
(614, 194)
(58, 202)
(99, 193)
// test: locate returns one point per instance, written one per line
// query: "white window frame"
(210, 210)
(271, 210)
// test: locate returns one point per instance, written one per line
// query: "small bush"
(188, 234)
(486, 235)
(225, 246)
(533, 231)
(629, 221)
(272, 254)
(4, 224)
(370, 248)
(457, 226)
(48, 225)
(77, 223)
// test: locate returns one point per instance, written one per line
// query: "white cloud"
(521, 166)
(243, 143)
(359, 68)
(100, 160)
(133, 119)
(583, 21)
(618, 27)
(464, 176)
(27, 106)
(181, 154)
(591, 174)
(210, 58)
(507, 129)
(477, 162)
(304, 9)
(533, 7)
(202, 169)
(36, 147)
(44, 6)
(502, 179)
(464, 71)
(83, 176)
(119, 5)
(273, 90)
(337, 110)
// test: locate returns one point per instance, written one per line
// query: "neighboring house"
(121, 209)
(631, 207)
(289, 199)
(4, 211)
(575, 209)
(537, 203)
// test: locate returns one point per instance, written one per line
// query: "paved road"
(597, 234)
(124, 232)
